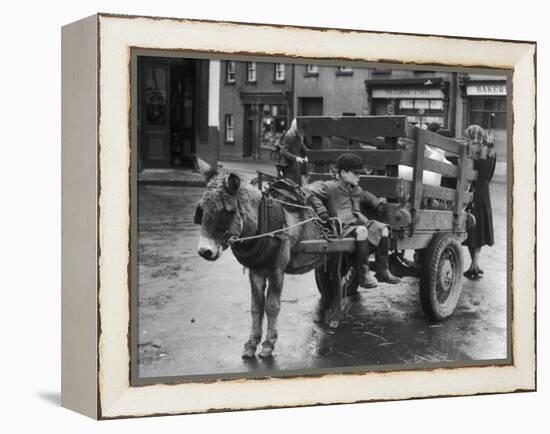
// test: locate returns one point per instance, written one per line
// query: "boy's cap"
(350, 162)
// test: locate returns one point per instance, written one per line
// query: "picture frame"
(97, 202)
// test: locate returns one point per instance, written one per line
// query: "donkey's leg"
(257, 288)
(335, 313)
(272, 308)
(323, 285)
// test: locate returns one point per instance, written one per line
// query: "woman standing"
(482, 233)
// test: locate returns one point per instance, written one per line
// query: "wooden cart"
(388, 144)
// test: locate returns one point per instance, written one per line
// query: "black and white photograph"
(278, 217)
(296, 218)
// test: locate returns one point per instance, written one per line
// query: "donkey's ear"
(198, 215)
(231, 183)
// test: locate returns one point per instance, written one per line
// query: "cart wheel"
(441, 277)
(348, 276)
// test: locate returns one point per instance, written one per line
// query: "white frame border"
(117, 34)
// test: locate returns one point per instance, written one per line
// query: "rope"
(269, 234)
(325, 231)
(294, 205)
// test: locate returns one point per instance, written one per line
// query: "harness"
(262, 249)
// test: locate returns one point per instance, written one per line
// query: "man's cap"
(350, 162)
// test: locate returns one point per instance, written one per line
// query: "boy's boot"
(382, 260)
(366, 280)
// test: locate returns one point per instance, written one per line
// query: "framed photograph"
(261, 216)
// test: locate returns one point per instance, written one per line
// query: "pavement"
(174, 177)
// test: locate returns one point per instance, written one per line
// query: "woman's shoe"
(472, 274)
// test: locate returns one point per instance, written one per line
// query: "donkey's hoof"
(248, 354)
(267, 351)
(319, 317)
(249, 351)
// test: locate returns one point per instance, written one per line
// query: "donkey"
(228, 210)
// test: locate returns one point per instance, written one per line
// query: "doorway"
(166, 112)
(312, 107)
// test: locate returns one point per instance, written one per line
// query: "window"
(251, 72)
(273, 124)
(489, 113)
(344, 70)
(229, 129)
(312, 70)
(230, 72)
(425, 104)
(279, 72)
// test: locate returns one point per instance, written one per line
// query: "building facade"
(177, 112)
(255, 108)
(258, 101)
(484, 102)
(452, 100)
(425, 97)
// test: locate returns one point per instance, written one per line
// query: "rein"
(325, 232)
(233, 239)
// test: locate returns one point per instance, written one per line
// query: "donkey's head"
(218, 214)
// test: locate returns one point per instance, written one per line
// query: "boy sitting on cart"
(342, 198)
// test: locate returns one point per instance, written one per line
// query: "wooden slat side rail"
(384, 186)
(392, 143)
(395, 187)
(450, 170)
(356, 127)
(440, 167)
(323, 246)
(382, 159)
(381, 186)
(460, 185)
(315, 176)
(443, 193)
(436, 140)
(369, 157)
(418, 170)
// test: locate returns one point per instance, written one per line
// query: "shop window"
(407, 104)
(229, 129)
(279, 72)
(230, 72)
(274, 123)
(424, 104)
(251, 72)
(436, 104)
(489, 113)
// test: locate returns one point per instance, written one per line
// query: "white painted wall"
(214, 94)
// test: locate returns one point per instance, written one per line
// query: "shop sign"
(486, 90)
(407, 93)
